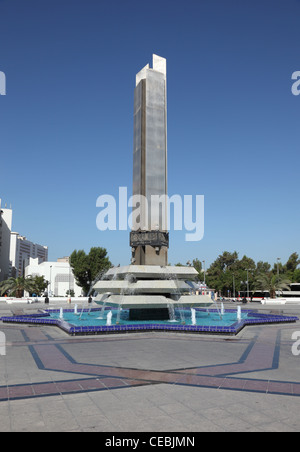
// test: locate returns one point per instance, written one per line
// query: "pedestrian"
(46, 299)
(90, 300)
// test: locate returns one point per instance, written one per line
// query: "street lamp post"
(50, 291)
(278, 259)
(233, 285)
(248, 269)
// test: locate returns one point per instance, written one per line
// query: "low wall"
(52, 300)
(281, 301)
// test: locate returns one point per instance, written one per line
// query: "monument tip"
(159, 64)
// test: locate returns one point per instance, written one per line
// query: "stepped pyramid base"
(148, 291)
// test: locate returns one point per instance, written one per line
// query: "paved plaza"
(149, 382)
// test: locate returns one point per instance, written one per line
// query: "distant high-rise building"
(16, 249)
(21, 250)
(5, 232)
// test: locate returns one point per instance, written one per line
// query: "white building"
(59, 275)
(16, 249)
(5, 232)
(21, 250)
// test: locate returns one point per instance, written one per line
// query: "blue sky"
(66, 123)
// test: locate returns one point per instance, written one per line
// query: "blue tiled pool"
(88, 321)
(203, 317)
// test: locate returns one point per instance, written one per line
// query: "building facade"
(60, 277)
(5, 234)
(15, 249)
(21, 250)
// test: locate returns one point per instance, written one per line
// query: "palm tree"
(271, 283)
(17, 286)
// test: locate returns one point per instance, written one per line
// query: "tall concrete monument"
(149, 288)
(149, 239)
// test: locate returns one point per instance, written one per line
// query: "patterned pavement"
(43, 362)
(262, 354)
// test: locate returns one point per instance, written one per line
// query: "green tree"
(219, 275)
(262, 267)
(227, 260)
(296, 276)
(87, 267)
(271, 283)
(229, 273)
(292, 262)
(198, 266)
(16, 286)
(290, 269)
(39, 285)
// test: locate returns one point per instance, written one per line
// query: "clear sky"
(66, 122)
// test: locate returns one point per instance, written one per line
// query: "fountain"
(109, 318)
(193, 315)
(82, 311)
(172, 317)
(239, 314)
(150, 294)
(222, 309)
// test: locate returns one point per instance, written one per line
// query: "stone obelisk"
(147, 288)
(149, 239)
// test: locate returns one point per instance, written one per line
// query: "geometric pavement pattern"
(261, 354)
